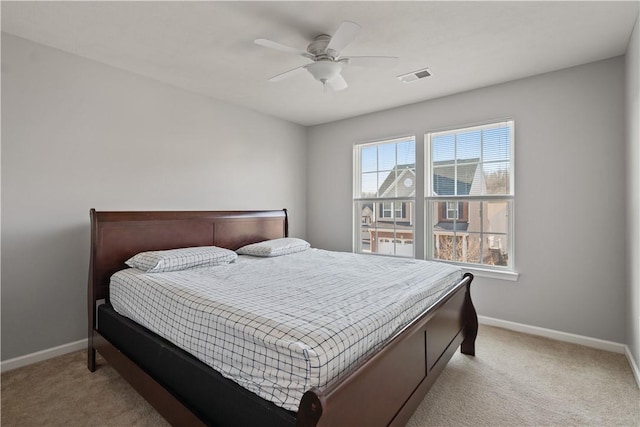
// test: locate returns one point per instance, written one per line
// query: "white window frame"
(452, 213)
(392, 202)
(507, 272)
(387, 210)
(397, 210)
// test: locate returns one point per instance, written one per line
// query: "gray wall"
(633, 193)
(570, 191)
(77, 135)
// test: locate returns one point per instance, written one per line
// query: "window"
(384, 197)
(387, 209)
(470, 192)
(399, 209)
(452, 210)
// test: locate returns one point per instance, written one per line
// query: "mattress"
(278, 326)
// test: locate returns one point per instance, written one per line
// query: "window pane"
(497, 217)
(449, 216)
(460, 247)
(386, 181)
(474, 248)
(369, 185)
(496, 144)
(447, 246)
(484, 216)
(467, 181)
(482, 249)
(495, 250)
(496, 176)
(386, 156)
(443, 148)
(444, 180)
(370, 240)
(369, 159)
(406, 153)
(389, 230)
(366, 211)
(474, 216)
(468, 145)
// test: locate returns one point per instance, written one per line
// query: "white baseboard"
(566, 337)
(39, 356)
(555, 335)
(633, 364)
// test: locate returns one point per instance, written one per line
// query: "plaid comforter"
(281, 325)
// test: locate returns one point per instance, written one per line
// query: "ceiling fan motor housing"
(318, 47)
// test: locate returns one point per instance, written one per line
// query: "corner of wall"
(632, 60)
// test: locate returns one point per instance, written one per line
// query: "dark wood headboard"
(117, 236)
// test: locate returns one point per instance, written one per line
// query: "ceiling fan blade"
(346, 32)
(287, 74)
(283, 48)
(371, 61)
(338, 83)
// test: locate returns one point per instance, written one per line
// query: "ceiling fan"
(324, 52)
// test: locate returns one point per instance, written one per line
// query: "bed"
(383, 386)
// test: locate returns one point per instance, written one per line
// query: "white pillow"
(181, 259)
(275, 247)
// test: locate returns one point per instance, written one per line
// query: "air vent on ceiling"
(414, 75)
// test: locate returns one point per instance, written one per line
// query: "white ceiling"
(207, 47)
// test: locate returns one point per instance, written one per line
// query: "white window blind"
(470, 193)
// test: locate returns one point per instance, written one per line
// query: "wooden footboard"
(388, 387)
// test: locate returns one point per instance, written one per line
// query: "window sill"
(511, 276)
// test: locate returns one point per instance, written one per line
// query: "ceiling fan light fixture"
(324, 71)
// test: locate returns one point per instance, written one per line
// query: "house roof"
(444, 177)
(451, 226)
(397, 180)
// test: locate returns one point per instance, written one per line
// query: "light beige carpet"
(514, 380)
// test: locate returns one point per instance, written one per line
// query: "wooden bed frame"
(384, 389)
